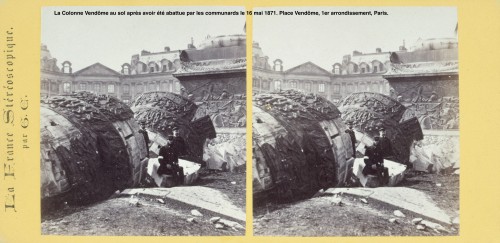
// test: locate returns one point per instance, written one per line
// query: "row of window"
(110, 88)
(337, 88)
(151, 68)
(362, 68)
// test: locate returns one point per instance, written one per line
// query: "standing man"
(179, 143)
(145, 135)
(385, 145)
(350, 131)
(167, 157)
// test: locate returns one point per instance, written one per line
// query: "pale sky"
(112, 40)
(324, 40)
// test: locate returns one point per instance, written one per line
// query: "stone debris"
(420, 227)
(394, 220)
(231, 224)
(214, 220)
(196, 213)
(134, 201)
(336, 200)
(192, 220)
(364, 201)
(226, 155)
(438, 184)
(160, 201)
(233, 182)
(416, 220)
(433, 226)
(219, 226)
(399, 214)
(436, 154)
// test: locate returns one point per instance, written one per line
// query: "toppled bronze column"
(371, 111)
(164, 111)
(90, 147)
(300, 145)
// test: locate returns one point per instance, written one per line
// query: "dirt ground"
(122, 216)
(319, 216)
(222, 181)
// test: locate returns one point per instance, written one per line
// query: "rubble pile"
(436, 154)
(90, 147)
(299, 145)
(227, 152)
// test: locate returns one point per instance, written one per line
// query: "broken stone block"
(219, 226)
(420, 227)
(416, 220)
(191, 220)
(160, 201)
(399, 214)
(214, 220)
(133, 201)
(231, 224)
(396, 173)
(364, 201)
(196, 213)
(394, 220)
(432, 225)
(336, 201)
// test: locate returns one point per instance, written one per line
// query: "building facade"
(147, 71)
(358, 72)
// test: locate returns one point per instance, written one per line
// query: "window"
(375, 69)
(151, 69)
(126, 89)
(67, 87)
(97, 87)
(164, 86)
(336, 88)
(362, 70)
(66, 68)
(111, 88)
(139, 88)
(336, 70)
(144, 68)
(83, 86)
(362, 87)
(126, 70)
(265, 85)
(293, 85)
(255, 83)
(177, 87)
(307, 87)
(164, 67)
(277, 85)
(54, 87)
(321, 87)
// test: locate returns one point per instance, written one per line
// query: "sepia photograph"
(355, 121)
(143, 121)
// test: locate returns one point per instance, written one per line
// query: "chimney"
(166, 48)
(378, 50)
